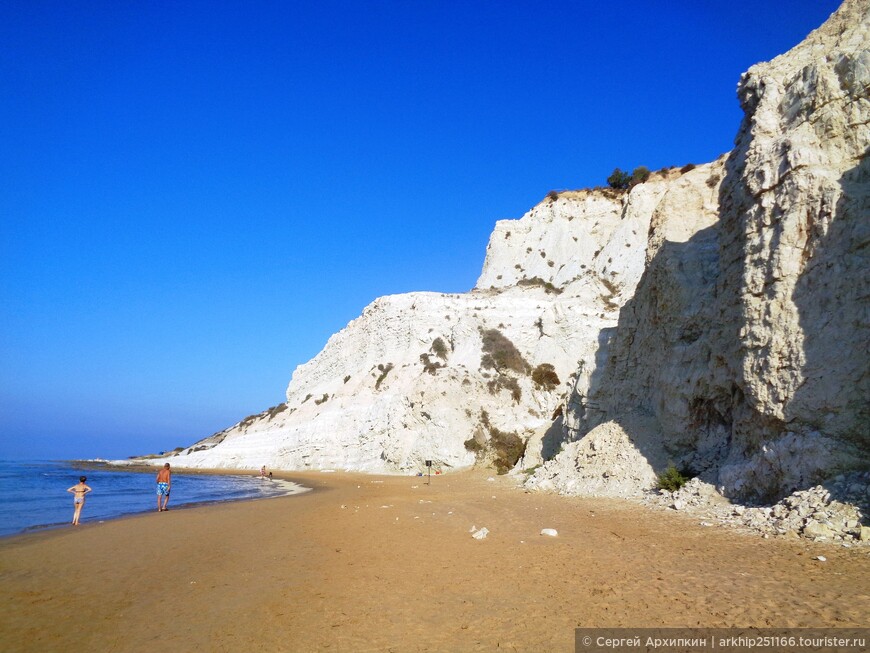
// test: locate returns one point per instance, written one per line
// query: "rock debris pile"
(837, 514)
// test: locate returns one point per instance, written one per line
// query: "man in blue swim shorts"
(164, 484)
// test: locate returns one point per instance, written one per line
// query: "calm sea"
(34, 492)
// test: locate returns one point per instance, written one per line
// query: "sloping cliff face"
(745, 346)
(464, 378)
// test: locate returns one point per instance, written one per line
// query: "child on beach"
(79, 491)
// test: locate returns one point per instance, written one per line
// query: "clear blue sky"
(195, 195)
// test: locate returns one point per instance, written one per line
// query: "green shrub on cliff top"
(622, 180)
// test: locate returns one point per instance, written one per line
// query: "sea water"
(34, 492)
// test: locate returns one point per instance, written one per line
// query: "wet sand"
(369, 563)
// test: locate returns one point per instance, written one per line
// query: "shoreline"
(39, 528)
(374, 563)
(692, 501)
(282, 485)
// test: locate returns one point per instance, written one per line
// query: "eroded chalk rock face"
(405, 383)
(416, 377)
(794, 290)
(746, 341)
(652, 367)
(431, 376)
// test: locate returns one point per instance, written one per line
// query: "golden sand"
(388, 564)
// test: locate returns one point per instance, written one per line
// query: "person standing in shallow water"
(79, 491)
(164, 484)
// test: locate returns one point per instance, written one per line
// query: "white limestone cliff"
(384, 396)
(795, 280)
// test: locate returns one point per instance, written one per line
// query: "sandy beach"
(368, 563)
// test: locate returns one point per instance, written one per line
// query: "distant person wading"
(79, 491)
(164, 484)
